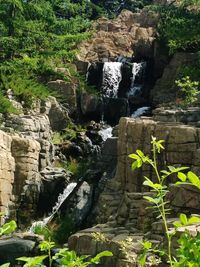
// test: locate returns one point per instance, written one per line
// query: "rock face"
(164, 90)
(6, 171)
(121, 36)
(121, 211)
(25, 150)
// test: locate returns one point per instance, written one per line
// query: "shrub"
(188, 90)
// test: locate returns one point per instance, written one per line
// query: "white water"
(106, 133)
(139, 112)
(112, 76)
(137, 69)
(61, 198)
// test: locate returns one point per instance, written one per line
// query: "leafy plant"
(188, 253)
(159, 191)
(63, 257)
(8, 228)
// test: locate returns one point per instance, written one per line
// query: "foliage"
(42, 230)
(8, 228)
(188, 90)
(159, 191)
(63, 228)
(188, 253)
(179, 25)
(63, 257)
(112, 8)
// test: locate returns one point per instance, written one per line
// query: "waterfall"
(61, 198)
(140, 111)
(111, 78)
(106, 133)
(137, 70)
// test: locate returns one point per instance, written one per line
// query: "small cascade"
(137, 70)
(61, 198)
(111, 78)
(140, 111)
(106, 133)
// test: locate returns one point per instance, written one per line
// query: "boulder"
(13, 248)
(91, 106)
(66, 91)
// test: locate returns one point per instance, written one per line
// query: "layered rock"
(127, 34)
(26, 149)
(7, 168)
(121, 209)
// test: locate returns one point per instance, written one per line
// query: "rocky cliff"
(26, 150)
(127, 35)
(121, 209)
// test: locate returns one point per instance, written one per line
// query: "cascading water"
(111, 78)
(106, 133)
(137, 69)
(140, 111)
(61, 198)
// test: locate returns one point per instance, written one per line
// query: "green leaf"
(134, 156)
(152, 200)
(140, 153)
(147, 245)
(32, 261)
(177, 224)
(183, 219)
(193, 219)
(194, 179)
(149, 183)
(5, 265)
(97, 258)
(8, 228)
(134, 165)
(182, 176)
(165, 172)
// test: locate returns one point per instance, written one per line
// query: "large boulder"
(66, 91)
(13, 248)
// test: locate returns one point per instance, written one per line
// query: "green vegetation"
(188, 90)
(159, 202)
(63, 257)
(179, 25)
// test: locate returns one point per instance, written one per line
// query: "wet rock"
(53, 183)
(91, 106)
(114, 109)
(71, 150)
(13, 248)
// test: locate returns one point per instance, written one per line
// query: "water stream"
(61, 198)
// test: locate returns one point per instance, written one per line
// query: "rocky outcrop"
(19, 166)
(128, 34)
(66, 91)
(26, 149)
(190, 116)
(165, 90)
